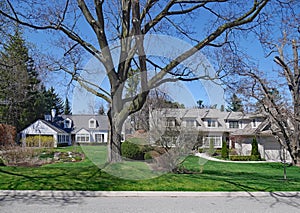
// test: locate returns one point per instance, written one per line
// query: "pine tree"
(19, 82)
(224, 151)
(101, 110)
(67, 109)
(235, 104)
(53, 101)
(255, 155)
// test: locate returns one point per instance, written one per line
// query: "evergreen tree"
(23, 98)
(67, 110)
(19, 82)
(222, 109)
(255, 155)
(224, 152)
(53, 101)
(101, 110)
(235, 104)
(200, 104)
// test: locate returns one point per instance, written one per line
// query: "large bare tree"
(129, 21)
(279, 99)
(277, 91)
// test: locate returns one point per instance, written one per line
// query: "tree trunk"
(115, 137)
(295, 145)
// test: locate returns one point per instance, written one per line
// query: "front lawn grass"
(215, 176)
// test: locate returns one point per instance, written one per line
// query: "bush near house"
(225, 152)
(255, 155)
(240, 158)
(131, 151)
(7, 135)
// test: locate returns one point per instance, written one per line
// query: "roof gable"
(42, 127)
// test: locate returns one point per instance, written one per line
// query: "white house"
(70, 129)
(46, 128)
(212, 125)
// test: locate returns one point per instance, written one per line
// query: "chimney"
(53, 113)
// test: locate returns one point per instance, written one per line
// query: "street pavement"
(140, 202)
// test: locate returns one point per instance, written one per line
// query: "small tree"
(211, 149)
(67, 109)
(235, 104)
(255, 155)
(224, 153)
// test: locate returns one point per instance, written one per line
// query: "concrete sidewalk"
(58, 194)
(207, 157)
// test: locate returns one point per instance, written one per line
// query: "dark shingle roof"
(82, 122)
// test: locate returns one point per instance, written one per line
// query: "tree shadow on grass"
(53, 196)
(48, 178)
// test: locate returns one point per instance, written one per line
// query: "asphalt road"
(163, 204)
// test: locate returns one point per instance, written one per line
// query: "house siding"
(213, 123)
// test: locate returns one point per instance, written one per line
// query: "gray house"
(212, 125)
(70, 129)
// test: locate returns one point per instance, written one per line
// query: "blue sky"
(186, 93)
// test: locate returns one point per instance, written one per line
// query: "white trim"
(92, 123)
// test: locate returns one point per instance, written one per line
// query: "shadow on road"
(61, 198)
(288, 198)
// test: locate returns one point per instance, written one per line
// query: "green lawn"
(90, 175)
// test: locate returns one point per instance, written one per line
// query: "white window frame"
(92, 123)
(170, 122)
(190, 123)
(67, 123)
(63, 138)
(79, 138)
(212, 123)
(102, 137)
(217, 140)
(234, 126)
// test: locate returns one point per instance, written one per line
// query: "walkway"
(206, 156)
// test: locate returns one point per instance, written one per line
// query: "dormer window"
(233, 124)
(92, 123)
(67, 123)
(212, 123)
(190, 123)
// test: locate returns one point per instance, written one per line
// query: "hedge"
(131, 151)
(240, 158)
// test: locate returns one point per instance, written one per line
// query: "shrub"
(255, 155)
(2, 162)
(7, 135)
(21, 156)
(131, 151)
(211, 149)
(148, 156)
(224, 152)
(240, 158)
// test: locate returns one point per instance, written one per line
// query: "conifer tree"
(19, 82)
(235, 104)
(67, 109)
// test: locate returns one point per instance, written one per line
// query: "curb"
(63, 194)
